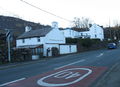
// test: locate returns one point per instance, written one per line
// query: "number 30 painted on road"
(73, 73)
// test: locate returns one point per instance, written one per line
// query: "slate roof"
(35, 33)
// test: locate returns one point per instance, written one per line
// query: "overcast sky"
(99, 11)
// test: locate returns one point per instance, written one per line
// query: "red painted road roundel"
(71, 76)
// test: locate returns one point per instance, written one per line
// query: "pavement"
(111, 77)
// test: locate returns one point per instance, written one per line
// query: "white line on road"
(70, 64)
(101, 54)
(12, 82)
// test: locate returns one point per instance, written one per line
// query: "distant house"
(94, 32)
(70, 33)
(42, 40)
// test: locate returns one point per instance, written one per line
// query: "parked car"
(112, 46)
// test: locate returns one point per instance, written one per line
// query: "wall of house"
(29, 41)
(65, 49)
(55, 36)
(69, 33)
(96, 32)
(66, 32)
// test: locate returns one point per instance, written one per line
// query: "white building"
(41, 40)
(94, 32)
(70, 33)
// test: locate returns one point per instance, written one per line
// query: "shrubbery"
(83, 42)
(86, 44)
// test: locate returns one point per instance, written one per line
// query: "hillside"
(17, 25)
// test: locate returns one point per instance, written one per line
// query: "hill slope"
(17, 25)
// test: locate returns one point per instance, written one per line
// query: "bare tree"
(116, 23)
(81, 22)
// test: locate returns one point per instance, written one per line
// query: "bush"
(55, 51)
(20, 55)
(71, 40)
(86, 43)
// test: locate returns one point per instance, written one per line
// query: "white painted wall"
(73, 48)
(29, 41)
(69, 33)
(65, 49)
(95, 32)
(55, 36)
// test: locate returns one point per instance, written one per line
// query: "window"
(38, 39)
(95, 35)
(81, 34)
(23, 40)
(37, 51)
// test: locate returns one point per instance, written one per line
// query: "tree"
(116, 23)
(3, 48)
(81, 22)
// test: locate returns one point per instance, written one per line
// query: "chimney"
(55, 25)
(28, 28)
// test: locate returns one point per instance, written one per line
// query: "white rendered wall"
(29, 41)
(98, 31)
(95, 32)
(65, 49)
(73, 48)
(69, 33)
(55, 36)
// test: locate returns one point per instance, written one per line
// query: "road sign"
(70, 76)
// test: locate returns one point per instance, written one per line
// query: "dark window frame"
(23, 40)
(38, 39)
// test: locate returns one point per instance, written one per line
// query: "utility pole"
(8, 41)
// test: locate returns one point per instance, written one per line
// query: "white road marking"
(70, 64)
(11, 82)
(43, 81)
(101, 54)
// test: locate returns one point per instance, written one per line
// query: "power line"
(45, 11)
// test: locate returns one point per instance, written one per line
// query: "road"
(98, 58)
